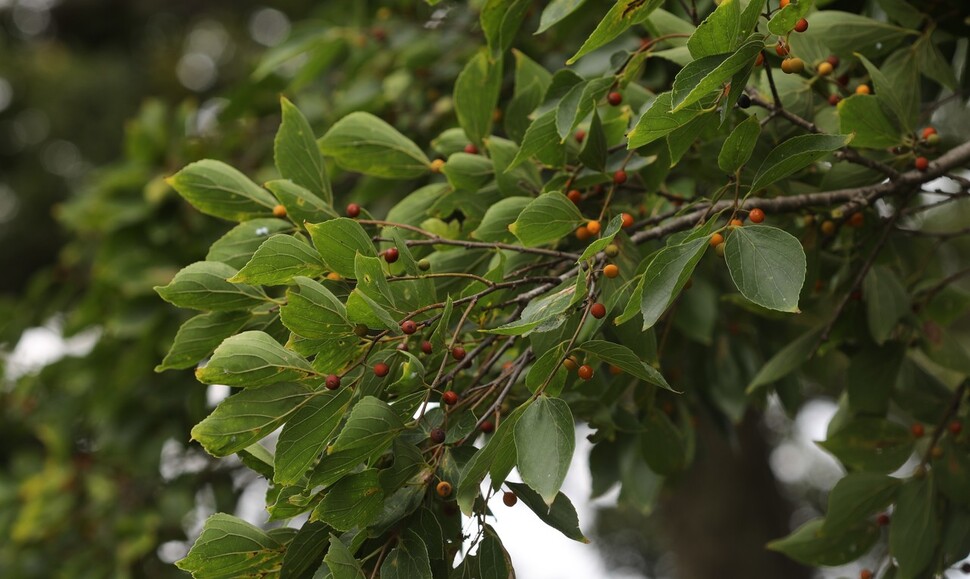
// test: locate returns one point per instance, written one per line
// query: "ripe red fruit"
(585, 372)
(857, 219)
(619, 177)
(575, 196)
(801, 25)
(353, 210)
(458, 353)
(834, 99)
(333, 382)
(833, 60)
(487, 427)
(509, 499)
(917, 429)
(865, 574)
(426, 347)
(756, 215)
(626, 220)
(614, 98)
(922, 163)
(781, 49)
(409, 327)
(882, 520)
(381, 369)
(471, 149)
(391, 254)
(927, 132)
(580, 135)
(437, 435)
(450, 398)
(760, 60)
(783, 3)
(955, 427)
(598, 310)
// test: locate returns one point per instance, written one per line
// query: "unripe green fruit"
(612, 250)
(424, 265)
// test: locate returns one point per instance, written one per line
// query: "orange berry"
(882, 520)
(862, 89)
(792, 65)
(443, 489)
(824, 69)
(471, 149)
(585, 372)
(865, 574)
(828, 227)
(922, 163)
(487, 426)
(437, 165)
(716, 239)
(583, 233)
(381, 369)
(615, 370)
(593, 227)
(611, 271)
(857, 219)
(626, 220)
(801, 25)
(781, 49)
(279, 211)
(760, 60)
(720, 248)
(735, 223)
(575, 196)
(756, 215)
(783, 3)
(334, 276)
(927, 132)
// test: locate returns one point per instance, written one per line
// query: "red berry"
(865, 574)
(917, 429)
(955, 427)
(626, 220)
(580, 135)
(437, 435)
(843, 80)
(333, 382)
(471, 149)
(575, 196)
(614, 98)
(426, 347)
(833, 60)
(409, 327)
(756, 215)
(922, 163)
(487, 427)
(882, 520)
(834, 99)
(391, 254)
(381, 369)
(598, 310)
(353, 210)
(450, 398)
(509, 499)
(585, 372)
(801, 25)
(928, 131)
(458, 353)
(619, 177)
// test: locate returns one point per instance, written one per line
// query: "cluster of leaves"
(381, 346)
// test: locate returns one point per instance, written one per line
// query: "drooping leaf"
(278, 260)
(886, 302)
(659, 121)
(621, 16)
(203, 286)
(548, 218)
(230, 547)
(666, 276)
(366, 144)
(811, 545)
(870, 444)
(786, 360)
(500, 21)
(296, 153)
(794, 155)
(339, 241)
(865, 118)
(915, 532)
(354, 501)
(477, 87)
(544, 443)
(306, 433)
(252, 359)
(217, 189)
(739, 145)
(856, 497)
(626, 360)
(767, 265)
(560, 516)
(199, 336)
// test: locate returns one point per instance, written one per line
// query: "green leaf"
(203, 286)
(217, 189)
(248, 416)
(870, 444)
(200, 335)
(915, 532)
(498, 217)
(578, 103)
(560, 516)
(547, 369)
(365, 144)
(595, 147)
(549, 217)
(886, 302)
(555, 11)
(409, 560)
(873, 371)
(810, 545)
(952, 470)
(339, 241)
(252, 359)
(856, 497)
(864, 117)
(341, 561)
(739, 145)
(230, 547)
(784, 20)
(845, 32)
(467, 172)
(767, 265)
(296, 153)
(500, 21)
(312, 311)
(659, 121)
(496, 457)
(493, 561)
(305, 550)
(278, 260)
(666, 276)
(933, 64)
(662, 445)
(476, 90)
(546, 312)
(256, 457)
(301, 205)
(519, 181)
(621, 16)
(626, 360)
(307, 432)
(786, 360)
(719, 32)
(354, 501)
(238, 245)
(605, 239)
(371, 424)
(544, 442)
(363, 309)
(707, 75)
(541, 141)
(796, 154)
(886, 92)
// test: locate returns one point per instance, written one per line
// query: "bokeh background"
(99, 101)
